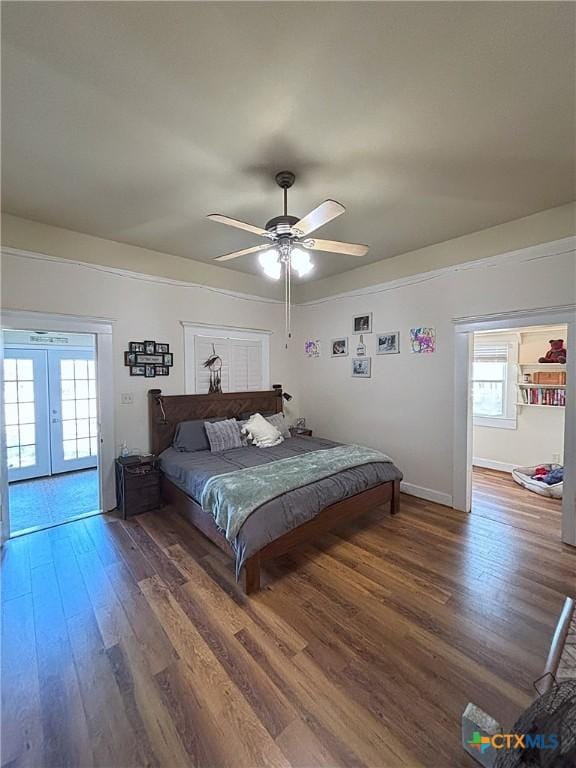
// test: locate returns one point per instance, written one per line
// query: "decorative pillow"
(191, 436)
(223, 435)
(264, 434)
(279, 421)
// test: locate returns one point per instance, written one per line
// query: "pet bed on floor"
(523, 476)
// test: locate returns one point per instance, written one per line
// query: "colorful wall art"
(312, 348)
(423, 340)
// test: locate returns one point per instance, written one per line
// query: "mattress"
(191, 471)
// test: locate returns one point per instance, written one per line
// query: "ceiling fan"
(288, 236)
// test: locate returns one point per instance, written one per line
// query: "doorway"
(518, 409)
(465, 328)
(51, 428)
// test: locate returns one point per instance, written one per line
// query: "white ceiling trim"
(126, 273)
(531, 253)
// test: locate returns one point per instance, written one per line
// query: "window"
(244, 355)
(493, 383)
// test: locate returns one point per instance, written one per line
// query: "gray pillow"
(191, 436)
(223, 435)
(278, 421)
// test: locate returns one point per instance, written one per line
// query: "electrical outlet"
(555, 458)
(127, 398)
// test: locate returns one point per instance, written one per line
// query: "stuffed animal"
(556, 353)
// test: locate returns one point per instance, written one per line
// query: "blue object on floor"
(48, 501)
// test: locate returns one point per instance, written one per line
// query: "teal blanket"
(233, 496)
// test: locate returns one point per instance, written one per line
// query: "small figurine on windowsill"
(556, 353)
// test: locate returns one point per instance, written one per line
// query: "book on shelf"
(552, 396)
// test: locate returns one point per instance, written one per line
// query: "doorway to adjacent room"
(50, 428)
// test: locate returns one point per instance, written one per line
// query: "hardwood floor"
(129, 644)
(497, 497)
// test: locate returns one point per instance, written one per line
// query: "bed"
(283, 522)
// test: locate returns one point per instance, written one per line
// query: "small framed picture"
(149, 359)
(168, 361)
(149, 347)
(339, 347)
(362, 323)
(136, 346)
(162, 370)
(129, 358)
(150, 371)
(162, 348)
(362, 367)
(137, 370)
(388, 343)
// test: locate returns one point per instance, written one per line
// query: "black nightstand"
(137, 485)
(300, 432)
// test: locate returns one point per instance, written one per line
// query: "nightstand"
(300, 432)
(137, 485)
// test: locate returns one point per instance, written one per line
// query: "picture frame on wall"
(129, 358)
(362, 323)
(388, 343)
(162, 370)
(136, 346)
(339, 347)
(150, 371)
(137, 370)
(361, 367)
(162, 348)
(149, 347)
(168, 359)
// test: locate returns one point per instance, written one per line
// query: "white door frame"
(464, 327)
(102, 329)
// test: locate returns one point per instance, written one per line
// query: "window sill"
(494, 421)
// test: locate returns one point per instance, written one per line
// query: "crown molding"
(129, 274)
(530, 253)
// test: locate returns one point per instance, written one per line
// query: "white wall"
(406, 408)
(141, 308)
(539, 435)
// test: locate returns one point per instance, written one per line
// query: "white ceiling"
(132, 120)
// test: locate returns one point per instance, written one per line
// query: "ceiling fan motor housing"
(281, 225)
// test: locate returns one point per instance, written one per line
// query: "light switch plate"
(127, 398)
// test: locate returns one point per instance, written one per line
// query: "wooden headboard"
(165, 411)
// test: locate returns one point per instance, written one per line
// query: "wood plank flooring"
(129, 644)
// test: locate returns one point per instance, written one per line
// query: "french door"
(26, 413)
(73, 422)
(50, 412)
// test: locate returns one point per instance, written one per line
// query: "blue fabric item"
(553, 477)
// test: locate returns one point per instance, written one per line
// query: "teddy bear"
(556, 353)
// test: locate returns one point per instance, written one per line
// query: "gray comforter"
(191, 471)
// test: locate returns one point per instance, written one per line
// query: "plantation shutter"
(242, 363)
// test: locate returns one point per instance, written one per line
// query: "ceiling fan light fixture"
(270, 264)
(300, 261)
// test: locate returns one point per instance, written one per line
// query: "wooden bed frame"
(164, 414)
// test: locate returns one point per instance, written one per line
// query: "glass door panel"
(73, 416)
(26, 414)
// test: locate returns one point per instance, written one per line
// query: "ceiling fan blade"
(321, 215)
(244, 252)
(238, 224)
(335, 246)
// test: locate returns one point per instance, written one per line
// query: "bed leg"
(252, 574)
(395, 500)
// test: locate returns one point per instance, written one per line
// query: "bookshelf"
(541, 394)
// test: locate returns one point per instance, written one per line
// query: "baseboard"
(426, 493)
(499, 466)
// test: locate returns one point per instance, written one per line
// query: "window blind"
(241, 363)
(491, 353)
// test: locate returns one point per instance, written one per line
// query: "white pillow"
(262, 432)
